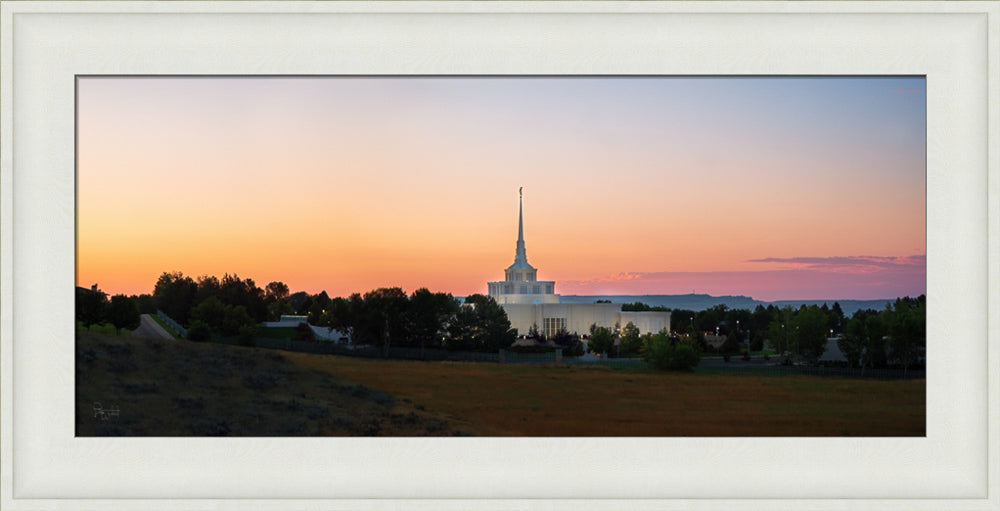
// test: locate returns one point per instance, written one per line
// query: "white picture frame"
(46, 44)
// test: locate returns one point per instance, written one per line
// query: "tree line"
(896, 334)
(389, 317)
(868, 338)
(233, 306)
(93, 307)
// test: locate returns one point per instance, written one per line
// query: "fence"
(611, 363)
(173, 324)
(554, 357)
(515, 357)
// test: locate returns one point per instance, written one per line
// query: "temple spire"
(520, 255)
(520, 216)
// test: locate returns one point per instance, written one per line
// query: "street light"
(738, 331)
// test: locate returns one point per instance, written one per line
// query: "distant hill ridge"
(698, 302)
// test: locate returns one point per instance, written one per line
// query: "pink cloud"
(860, 277)
(850, 264)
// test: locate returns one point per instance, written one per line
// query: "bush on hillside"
(246, 335)
(199, 331)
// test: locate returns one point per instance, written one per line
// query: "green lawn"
(285, 332)
(170, 330)
(103, 328)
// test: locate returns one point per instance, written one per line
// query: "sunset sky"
(775, 188)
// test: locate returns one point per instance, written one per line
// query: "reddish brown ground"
(526, 400)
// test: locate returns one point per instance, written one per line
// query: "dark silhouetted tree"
(275, 291)
(779, 335)
(90, 305)
(601, 341)
(629, 345)
(208, 286)
(534, 334)
(122, 312)
(905, 322)
(175, 294)
(211, 312)
(852, 341)
(666, 355)
(428, 316)
(810, 330)
(481, 325)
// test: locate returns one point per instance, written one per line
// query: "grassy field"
(531, 400)
(177, 388)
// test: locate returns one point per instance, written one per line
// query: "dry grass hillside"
(184, 388)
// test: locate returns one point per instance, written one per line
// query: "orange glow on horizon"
(345, 185)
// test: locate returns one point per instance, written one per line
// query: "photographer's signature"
(105, 413)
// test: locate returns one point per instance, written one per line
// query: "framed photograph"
(68, 67)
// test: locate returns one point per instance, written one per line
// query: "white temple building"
(521, 284)
(531, 302)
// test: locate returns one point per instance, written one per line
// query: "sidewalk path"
(150, 328)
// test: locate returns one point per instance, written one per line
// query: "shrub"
(601, 341)
(199, 331)
(246, 335)
(665, 355)
(235, 318)
(304, 333)
(574, 350)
